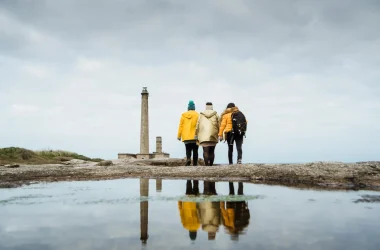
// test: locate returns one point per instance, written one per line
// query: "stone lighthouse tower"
(144, 129)
(144, 135)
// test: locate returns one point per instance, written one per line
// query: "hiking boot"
(239, 161)
(188, 163)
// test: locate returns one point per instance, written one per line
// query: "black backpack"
(239, 123)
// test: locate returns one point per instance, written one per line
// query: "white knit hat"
(209, 106)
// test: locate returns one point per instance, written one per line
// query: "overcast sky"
(305, 73)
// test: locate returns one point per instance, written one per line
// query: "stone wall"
(157, 155)
(126, 156)
(144, 156)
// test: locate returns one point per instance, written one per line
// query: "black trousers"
(239, 143)
(192, 149)
(192, 188)
(232, 188)
(209, 188)
(209, 155)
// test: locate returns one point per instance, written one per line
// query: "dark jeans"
(232, 189)
(209, 188)
(209, 155)
(191, 148)
(239, 143)
(192, 189)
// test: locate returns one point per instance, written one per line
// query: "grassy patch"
(25, 156)
(60, 154)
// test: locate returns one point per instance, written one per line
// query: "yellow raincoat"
(189, 215)
(187, 125)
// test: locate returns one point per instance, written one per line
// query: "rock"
(369, 199)
(105, 163)
(76, 161)
(12, 166)
(168, 162)
(11, 185)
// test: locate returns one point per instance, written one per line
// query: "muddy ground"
(325, 175)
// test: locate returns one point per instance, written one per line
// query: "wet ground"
(180, 214)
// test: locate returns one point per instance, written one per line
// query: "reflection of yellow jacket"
(187, 124)
(228, 216)
(226, 120)
(189, 215)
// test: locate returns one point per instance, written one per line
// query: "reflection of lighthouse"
(158, 185)
(144, 192)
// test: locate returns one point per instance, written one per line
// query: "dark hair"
(209, 103)
(193, 235)
(231, 105)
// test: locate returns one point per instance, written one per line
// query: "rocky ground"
(326, 175)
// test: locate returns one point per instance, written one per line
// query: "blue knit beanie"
(191, 105)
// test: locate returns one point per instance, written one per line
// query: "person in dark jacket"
(225, 129)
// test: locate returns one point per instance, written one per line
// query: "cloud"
(88, 65)
(36, 71)
(23, 109)
(23, 40)
(304, 72)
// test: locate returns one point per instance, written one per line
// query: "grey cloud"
(301, 70)
(242, 29)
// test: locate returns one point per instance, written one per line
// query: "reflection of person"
(207, 133)
(209, 188)
(235, 214)
(186, 132)
(209, 212)
(188, 211)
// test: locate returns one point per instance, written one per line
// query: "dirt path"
(325, 175)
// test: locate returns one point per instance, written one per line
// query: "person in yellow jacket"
(186, 133)
(225, 130)
(207, 133)
(188, 211)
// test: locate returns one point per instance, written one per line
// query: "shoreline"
(316, 175)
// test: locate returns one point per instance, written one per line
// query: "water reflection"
(233, 215)
(144, 207)
(188, 210)
(158, 185)
(206, 215)
(144, 210)
(209, 212)
(185, 216)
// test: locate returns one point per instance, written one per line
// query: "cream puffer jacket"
(208, 126)
(209, 214)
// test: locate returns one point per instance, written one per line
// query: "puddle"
(180, 214)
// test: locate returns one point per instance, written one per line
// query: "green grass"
(25, 156)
